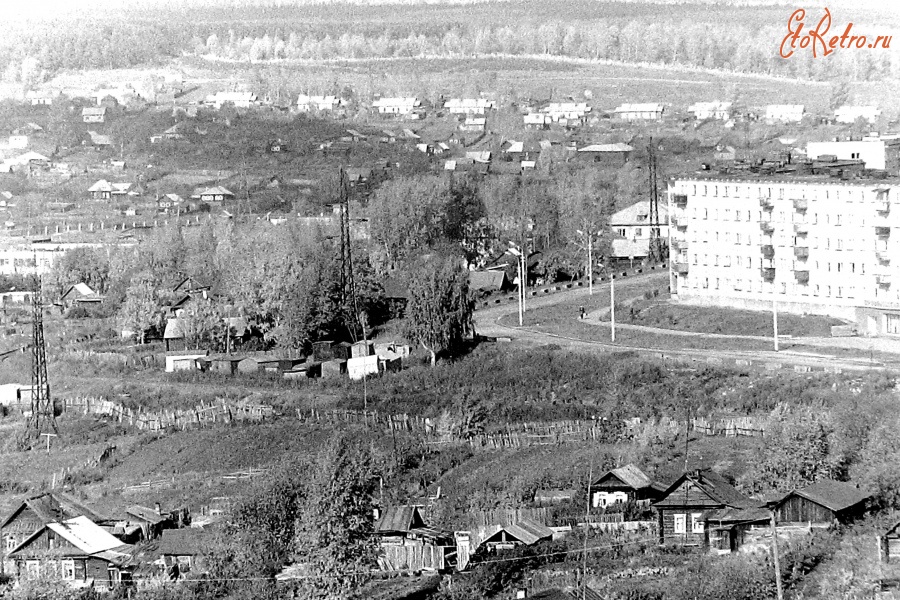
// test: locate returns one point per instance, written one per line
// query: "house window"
(696, 523)
(68, 569)
(10, 543)
(679, 524)
(32, 569)
(637, 232)
(621, 231)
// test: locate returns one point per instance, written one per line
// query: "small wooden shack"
(625, 484)
(738, 529)
(408, 544)
(889, 544)
(823, 504)
(524, 532)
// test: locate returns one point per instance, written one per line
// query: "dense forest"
(739, 39)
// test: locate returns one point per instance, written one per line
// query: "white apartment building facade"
(815, 245)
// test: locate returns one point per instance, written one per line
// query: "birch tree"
(139, 310)
(439, 312)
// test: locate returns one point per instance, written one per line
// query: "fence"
(509, 516)
(203, 414)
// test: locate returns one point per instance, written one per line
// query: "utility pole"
(587, 525)
(778, 586)
(348, 284)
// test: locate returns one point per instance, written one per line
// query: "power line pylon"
(656, 250)
(348, 284)
(43, 417)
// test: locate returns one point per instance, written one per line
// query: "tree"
(202, 323)
(334, 537)
(80, 265)
(139, 311)
(585, 202)
(840, 95)
(439, 312)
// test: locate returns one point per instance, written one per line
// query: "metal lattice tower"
(43, 418)
(348, 284)
(656, 243)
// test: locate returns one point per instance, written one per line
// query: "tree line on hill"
(34, 51)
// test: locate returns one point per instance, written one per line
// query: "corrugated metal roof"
(607, 148)
(145, 514)
(487, 280)
(631, 215)
(85, 535)
(632, 476)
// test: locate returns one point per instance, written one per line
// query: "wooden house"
(215, 194)
(93, 114)
(80, 294)
(889, 544)
(822, 504)
(648, 111)
(738, 530)
(151, 521)
(178, 552)
(408, 544)
(524, 532)
(614, 155)
(625, 484)
(681, 508)
(75, 551)
(36, 511)
(223, 363)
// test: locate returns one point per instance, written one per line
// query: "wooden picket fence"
(203, 414)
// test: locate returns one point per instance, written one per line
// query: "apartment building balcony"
(801, 204)
(765, 203)
(680, 200)
(883, 257)
(768, 251)
(768, 263)
(768, 274)
(678, 244)
(680, 221)
(801, 252)
(883, 279)
(801, 228)
(883, 206)
(681, 268)
(766, 227)
(801, 276)
(882, 231)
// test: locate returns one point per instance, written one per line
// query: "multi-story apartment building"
(815, 244)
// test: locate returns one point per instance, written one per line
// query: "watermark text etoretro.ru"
(818, 41)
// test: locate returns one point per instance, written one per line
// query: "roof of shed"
(833, 495)
(399, 518)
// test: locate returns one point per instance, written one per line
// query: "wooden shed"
(889, 544)
(408, 544)
(334, 368)
(223, 363)
(823, 504)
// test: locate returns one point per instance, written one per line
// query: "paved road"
(487, 324)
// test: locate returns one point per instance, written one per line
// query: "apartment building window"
(829, 267)
(694, 212)
(716, 259)
(781, 192)
(783, 287)
(781, 216)
(705, 213)
(705, 191)
(838, 267)
(637, 232)
(892, 324)
(738, 285)
(737, 238)
(695, 259)
(839, 291)
(828, 243)
(837, 219)
(738, 260)
(815, 218)
(748, 216)
(838, 244)
(815, 242)
(705, 259)
(715, 191)
(726, 193)
(716, 214)
(727, 237)
(853, 267)
(706, 283)
(727, 212)
(862, 268)
(749, 262)
(829, 290)
(695, 190)
(816, 290)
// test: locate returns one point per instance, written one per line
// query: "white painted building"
(238, 99)
(850, 114)
(640, 112)
(711, 110)
(631, 229)
(876, 153)
(396, 106)
(814, 244)
(784, 113)
(35, 258)
(307, 104)
(469, 106)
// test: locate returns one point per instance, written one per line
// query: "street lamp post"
(520, 256)
(612, 301)
(775, 318)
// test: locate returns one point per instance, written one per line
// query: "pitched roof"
(183, 542)
(101, 186)
(93, 111)
(399, 518)
(55, 506)
(607, 148)
(145, 514)
(713, 486)
(81, 532)
(216, 191)
(526, 531)
(637, 214)
(833, 495)
(644, 107)
(733, 515)
(487, 280)
(631, 476)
